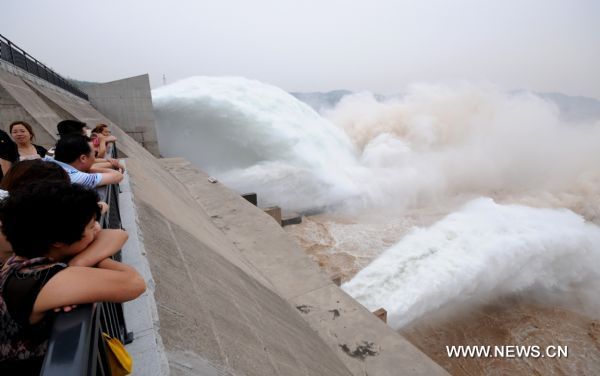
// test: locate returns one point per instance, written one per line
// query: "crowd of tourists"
(53, 253)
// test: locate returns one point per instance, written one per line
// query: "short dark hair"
(31, 171)
(26, 125)
(70, 126)
(36, 216)
(70, 147)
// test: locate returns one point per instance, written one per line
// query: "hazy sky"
(308, 45)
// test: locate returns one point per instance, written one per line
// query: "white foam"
(478, 253)
(433, 143)
(256, 138)
(440, 141)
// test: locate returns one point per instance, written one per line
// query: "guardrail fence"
(15, 55)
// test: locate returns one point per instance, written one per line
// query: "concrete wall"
(363, 342)
(14, 91)
(233, 295)
(128, 102)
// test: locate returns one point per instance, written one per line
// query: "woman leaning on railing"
(48, 225)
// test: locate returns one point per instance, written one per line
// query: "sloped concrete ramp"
(363, 342)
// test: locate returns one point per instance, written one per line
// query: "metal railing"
(15, 55)
(76, 346)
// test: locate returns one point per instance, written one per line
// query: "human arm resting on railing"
(99, 141)
(106, 244)
(111, 281)
(108, 176)
(111, 163)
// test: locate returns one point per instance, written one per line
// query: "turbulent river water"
(470, 214)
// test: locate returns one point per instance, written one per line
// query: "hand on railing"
(67, 308)
(103, 207)
(116, 164)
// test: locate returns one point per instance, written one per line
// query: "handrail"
(110, 195)
(73, 349)
(15, 55)
(76, 346)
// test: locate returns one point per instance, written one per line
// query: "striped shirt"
(88, 180)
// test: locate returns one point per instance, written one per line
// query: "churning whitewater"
(527, 182)
(256, 138)
(482, 251)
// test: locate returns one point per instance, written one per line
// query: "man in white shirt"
(75, 154)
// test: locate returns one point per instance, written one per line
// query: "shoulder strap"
(40, 150)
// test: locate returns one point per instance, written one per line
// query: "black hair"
(70, 147)
(36, 216)
(70, 126)
(30, 171)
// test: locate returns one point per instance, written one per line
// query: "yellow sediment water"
(342, 245)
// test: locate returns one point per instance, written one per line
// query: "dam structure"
(229, 293)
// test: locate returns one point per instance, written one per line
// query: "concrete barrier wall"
(128, 102)
(231, 289)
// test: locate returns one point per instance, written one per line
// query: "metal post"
(10, 49)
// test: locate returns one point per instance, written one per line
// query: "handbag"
(119, 360)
